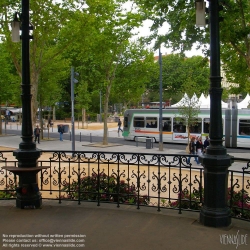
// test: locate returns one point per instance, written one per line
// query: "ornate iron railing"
(163, 181)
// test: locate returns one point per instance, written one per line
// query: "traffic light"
(73, 81)
(73, 75)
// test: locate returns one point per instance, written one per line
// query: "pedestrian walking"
(49, 122)
(192, 151)
(199, 146)
(206, 143)
(61, 131)
(37, 134)
(119, 126)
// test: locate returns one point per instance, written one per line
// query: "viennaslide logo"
(234, 239)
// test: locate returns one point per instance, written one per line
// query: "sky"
(145, 31)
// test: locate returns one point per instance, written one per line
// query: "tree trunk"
(54, 114)
(105, 120)
(83, 117)
(1, 121)
(34, 91)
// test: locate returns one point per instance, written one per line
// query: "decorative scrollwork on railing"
(184, 161)
(176, 161)
(248, 184)
(138, 177)
(196, 180)
(59, 173)
(247, 167)
(2, 182)
(160, 179)
(2, 158)
(180, 181)
(78, 172)
(60, 156)
(236, 184)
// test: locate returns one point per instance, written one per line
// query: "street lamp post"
(72, 86)
(28, 194)
(160, 107)
(215, 212)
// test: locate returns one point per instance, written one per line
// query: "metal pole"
(40, 117)
(160, 108)
(72, 109)
(215, 212)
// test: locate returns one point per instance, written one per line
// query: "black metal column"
(215, 212)
(27, 154)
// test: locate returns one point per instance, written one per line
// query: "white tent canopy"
(244, 104)
(180, 103)
(203, 101)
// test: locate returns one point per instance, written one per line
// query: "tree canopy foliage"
(182, 34)
(97, 38)
(180, 75)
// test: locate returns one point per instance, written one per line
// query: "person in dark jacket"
(206, 143)
(192, 150)
(61, 131)
(199, 146)
(119, 125)
(37, 134)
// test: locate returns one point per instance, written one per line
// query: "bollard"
(70, 136)
(136, 139)
(90, 138)
(80, 136)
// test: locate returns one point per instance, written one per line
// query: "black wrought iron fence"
(150, 180)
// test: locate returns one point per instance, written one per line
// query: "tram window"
(244, 127)
(125, 122)
(139, 122)
(151, 122)
(179, 125)
(206, 125)
(166, 124)
(195, 126)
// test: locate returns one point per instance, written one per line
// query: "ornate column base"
(215, 211)
(28, 196)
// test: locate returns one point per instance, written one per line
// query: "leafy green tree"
(189, 109)
(133, 73)
(181, 32)
(104, 46)
(180, 75)
(47, 17)
(9, 80)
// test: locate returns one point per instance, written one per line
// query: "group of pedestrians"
(37, 132)
(197, 147)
